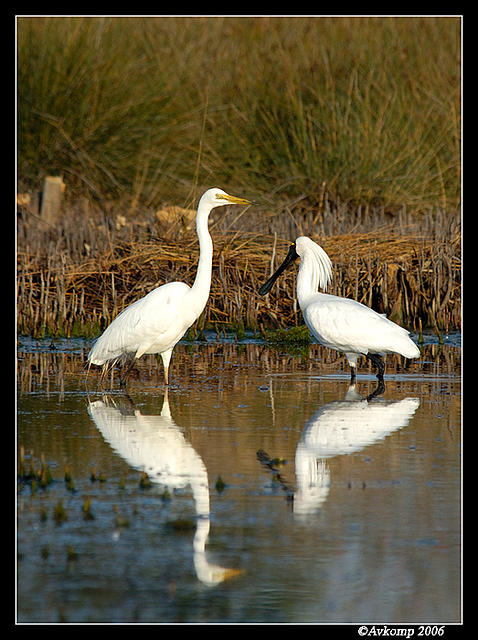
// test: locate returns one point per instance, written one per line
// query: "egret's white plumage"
(156, 445)
(155, 323)
(341, 323)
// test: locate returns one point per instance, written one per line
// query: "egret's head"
(218, 198)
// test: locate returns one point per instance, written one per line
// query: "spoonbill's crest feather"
(316, 261)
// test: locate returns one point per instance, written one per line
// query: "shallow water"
(276, 492)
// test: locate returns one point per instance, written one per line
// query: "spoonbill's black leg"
(378, 362)
(378, 391)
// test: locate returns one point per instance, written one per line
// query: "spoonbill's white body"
(341, 323)
(341, 428)
(156, 323)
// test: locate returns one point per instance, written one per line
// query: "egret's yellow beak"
(234, 200)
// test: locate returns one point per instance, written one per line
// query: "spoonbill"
(341, 323)
(341, 428)
(156, 322)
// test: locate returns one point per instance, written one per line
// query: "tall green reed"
(139, 111)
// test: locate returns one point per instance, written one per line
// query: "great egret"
(155, 323)
(341, 323)
(155, 445)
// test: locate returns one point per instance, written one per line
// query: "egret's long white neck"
(202, 283)
(315, 272)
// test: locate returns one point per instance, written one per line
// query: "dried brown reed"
(73, 279)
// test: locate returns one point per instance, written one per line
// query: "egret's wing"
(156, 312)
(154, 319)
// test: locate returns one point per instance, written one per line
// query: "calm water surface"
(275, 492)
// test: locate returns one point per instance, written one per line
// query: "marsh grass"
(145, 111)
(344, 129)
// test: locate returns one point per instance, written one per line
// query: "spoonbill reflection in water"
(341, 428)
(156, 445)
(156, 323)
(341, 323)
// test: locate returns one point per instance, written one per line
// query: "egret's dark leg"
(352, 375)
(378, 362)
(125, 371)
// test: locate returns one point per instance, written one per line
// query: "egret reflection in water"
(340, 428)
(156, 445)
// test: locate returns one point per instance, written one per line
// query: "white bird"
(155, 323)
(341, 323)
(155, 445)
(341, 428)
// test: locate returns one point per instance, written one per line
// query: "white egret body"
(156, 445)
(341, 323)
(155, 323)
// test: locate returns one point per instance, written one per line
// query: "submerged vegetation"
(296, 340)
(344, 129)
